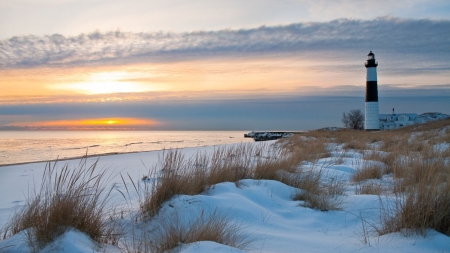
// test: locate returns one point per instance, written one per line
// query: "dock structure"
(267, 136)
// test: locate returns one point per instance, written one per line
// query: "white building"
(394, 121)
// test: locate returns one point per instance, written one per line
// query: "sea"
(35, 146)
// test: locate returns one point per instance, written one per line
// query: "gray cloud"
(292, 113)
(400, 39)
(384, 90)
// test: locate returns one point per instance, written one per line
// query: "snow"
(75, 241)
(432, 116)
(208, 246)
(264, 136)
(263, 208)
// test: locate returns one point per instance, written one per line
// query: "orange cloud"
(190, 79)
(234, 76)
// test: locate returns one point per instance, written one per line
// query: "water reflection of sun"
(98, 122)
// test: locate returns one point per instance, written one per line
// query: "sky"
(216, 65)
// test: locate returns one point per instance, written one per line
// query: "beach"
(28, 176)
(18, 147)
(264, 209)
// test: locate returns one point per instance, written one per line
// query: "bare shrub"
(353, 119)
(67, 198)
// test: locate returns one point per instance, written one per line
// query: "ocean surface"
(34, 146)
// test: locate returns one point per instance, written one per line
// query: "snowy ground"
(264, 209)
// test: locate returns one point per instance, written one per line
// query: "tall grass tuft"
(174, 175)
(371, 188)
(422, 195)
(68, 198)
(165, 235)
(369, 171)
(417, 209)
(177, 175)
(276, 161)
(320, 194)
(214, 227)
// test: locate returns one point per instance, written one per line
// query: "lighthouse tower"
(371, 119)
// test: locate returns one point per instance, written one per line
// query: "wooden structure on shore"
(267, 136)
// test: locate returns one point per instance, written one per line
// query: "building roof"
(394, 117)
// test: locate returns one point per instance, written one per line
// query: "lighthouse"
(371, 122)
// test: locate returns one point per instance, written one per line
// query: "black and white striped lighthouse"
(371, 118)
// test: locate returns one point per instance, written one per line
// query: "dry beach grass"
(69, 198)
(415, 158)
(171, 234)
(420, 169)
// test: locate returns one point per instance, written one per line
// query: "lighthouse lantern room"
(371, 122)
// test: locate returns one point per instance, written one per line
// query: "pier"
(267, 136)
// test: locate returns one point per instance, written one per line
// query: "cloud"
(385, 90)
(294, 112)
(406, 38)
(309, 108)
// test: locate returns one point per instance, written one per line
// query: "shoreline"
(110, 154)
(33, 147)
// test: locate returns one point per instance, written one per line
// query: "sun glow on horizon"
(193, 79)
(98, 122)
(109, 82)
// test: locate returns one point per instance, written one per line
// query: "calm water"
(32, 146)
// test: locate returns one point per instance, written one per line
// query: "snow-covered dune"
(264, 209)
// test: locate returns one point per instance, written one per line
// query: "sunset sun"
(108, 82)
(123, 123)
